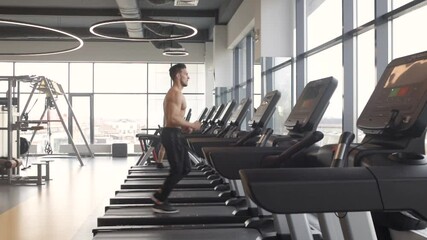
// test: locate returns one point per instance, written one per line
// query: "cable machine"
(15, 122)
(53, 90)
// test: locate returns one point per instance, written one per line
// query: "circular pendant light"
(12, 22)
(170, 52)
(192, 30)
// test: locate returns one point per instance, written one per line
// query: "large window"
(128, 99)
(365, 11)
(399, 3)
(325, 64)
(120, 78)
(119, 117)
(81, 75)
(159, 80)
(6, 69)
(282, 81)
(57, 72)
(243, 83)
(324, 21)
(366, 72)
(406, 39)
(155, 110)
(196, 84)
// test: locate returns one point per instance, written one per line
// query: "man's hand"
(187, 130)
(196, 125)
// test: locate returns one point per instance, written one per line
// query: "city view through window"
(122, 99)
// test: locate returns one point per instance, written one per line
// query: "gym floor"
(67, 207)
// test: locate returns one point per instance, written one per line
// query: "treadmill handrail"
(307, 141)
(314, 190)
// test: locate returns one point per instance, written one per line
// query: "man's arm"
(173, 112)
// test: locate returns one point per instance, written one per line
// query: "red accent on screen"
(403, 91)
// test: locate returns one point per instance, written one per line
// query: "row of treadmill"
(260, 185)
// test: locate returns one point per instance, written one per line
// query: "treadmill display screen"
(402, 76)
(309, 97)
(221, 117)
(236, 113)
(260, 110)
(398, 102)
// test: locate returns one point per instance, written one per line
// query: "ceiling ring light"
(175, 52)
(170, 23)
(25, 54)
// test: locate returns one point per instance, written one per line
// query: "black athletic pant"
(177, 152)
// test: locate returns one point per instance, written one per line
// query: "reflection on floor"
(68, 206)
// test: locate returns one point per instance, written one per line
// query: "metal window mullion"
(92, 107)
(147, 97)
(236, 63)
(70, 118)
(250, 73)
(383, 37)
(93, 78)
(349, 48)
(268, 84)
(92, 119)
(268, 76)
(301, 46)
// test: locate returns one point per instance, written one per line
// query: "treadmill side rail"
(229, 160)
(312, 190)
(403, 188)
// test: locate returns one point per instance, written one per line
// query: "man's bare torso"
(173, 96)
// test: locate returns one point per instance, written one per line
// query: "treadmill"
(264, 112)
(385, 174)
(212, 118)
(204, 118)
(230, 129)
(176, 232)
(150, 144)
(235, 138)
(132, 196)
(212, 213)
(221, 121)
(162, 173)
(209, 121)
(318, 93)
(301, 125)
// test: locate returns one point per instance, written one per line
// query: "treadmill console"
(265, 109)
(311, 105)
(239, 113)
(210, 114)
(203, 114)
(217, 113)
(228, 108)
(398, 103)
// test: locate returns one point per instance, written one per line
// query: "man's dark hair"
(176, 69)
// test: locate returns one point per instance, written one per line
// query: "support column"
(209, 74)
(222, 58)
(274, 28)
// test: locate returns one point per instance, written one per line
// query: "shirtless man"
(174, 143)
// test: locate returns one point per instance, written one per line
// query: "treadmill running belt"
(156, 183)
(174, 197)
(182, 234)
(144, 215)
(162, 174)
